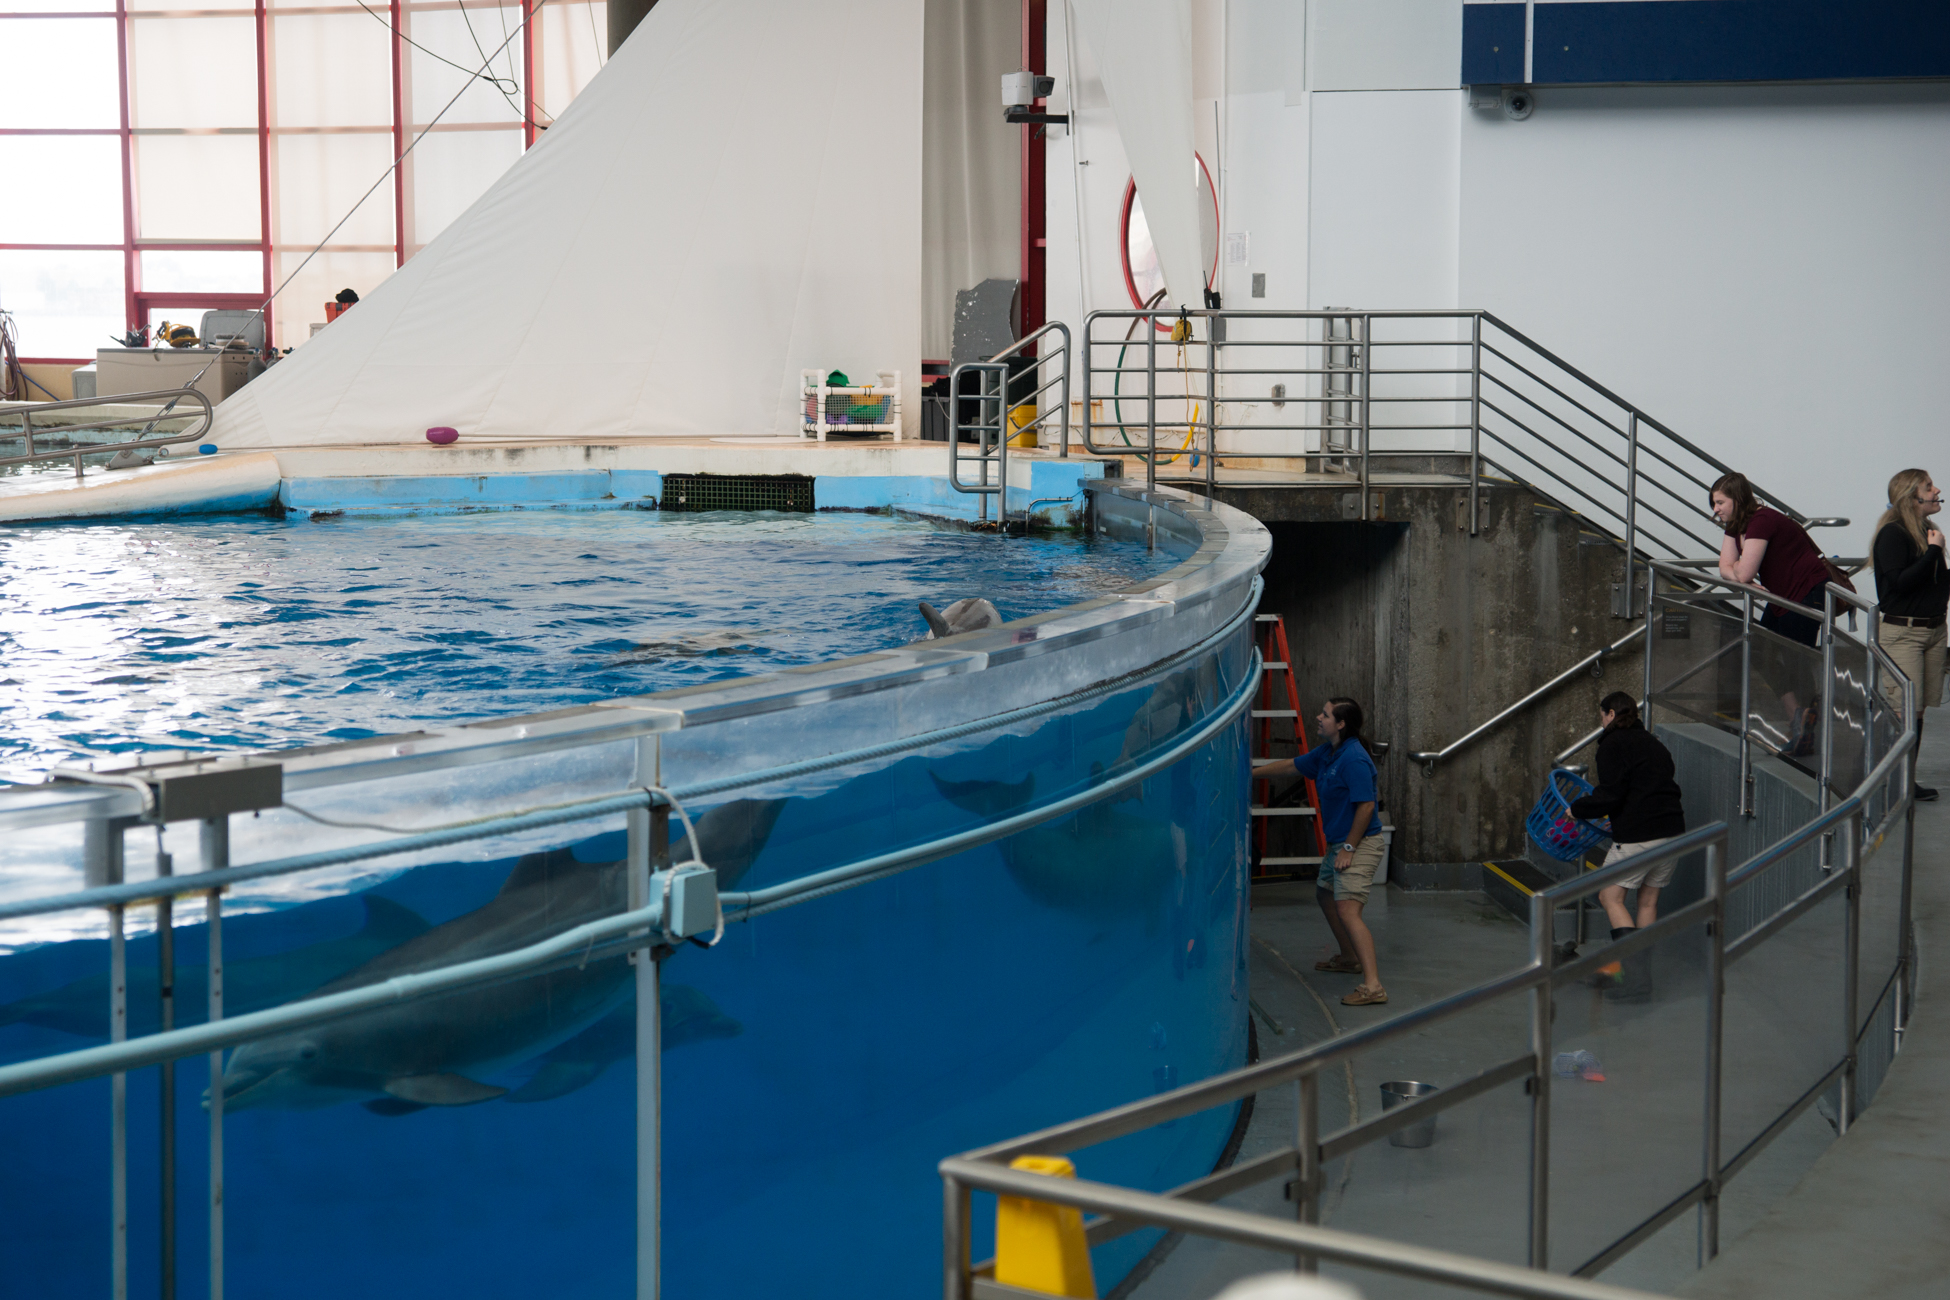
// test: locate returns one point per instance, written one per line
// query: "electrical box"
(690, 902)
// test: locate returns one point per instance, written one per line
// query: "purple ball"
(441, 435)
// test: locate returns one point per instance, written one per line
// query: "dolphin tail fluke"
(986, 797)
(558, 1079)
(387, 1106)
(442, 1090)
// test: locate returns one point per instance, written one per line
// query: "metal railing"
(141, 440)
(1846, 832)
(996, 425)
(1487, 395)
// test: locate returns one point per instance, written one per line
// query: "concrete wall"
(1441, 630)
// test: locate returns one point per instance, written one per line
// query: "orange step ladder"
(1277, 663)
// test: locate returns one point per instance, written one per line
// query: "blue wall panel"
(1492, 45)
(1710, 40)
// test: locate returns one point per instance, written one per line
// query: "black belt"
(1900, 621)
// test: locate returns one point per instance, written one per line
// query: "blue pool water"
(255, 633)
(817, 1063)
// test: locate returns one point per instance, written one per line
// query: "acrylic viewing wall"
(816, 1063)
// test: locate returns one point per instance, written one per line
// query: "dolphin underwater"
(251, 984)
(1098, 861)
(431, 1052)
(688, 1017)
(969, 614)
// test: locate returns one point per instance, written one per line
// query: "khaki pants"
(1918, 651)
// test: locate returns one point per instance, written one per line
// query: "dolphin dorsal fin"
(389, 922)
(535, 869)
(442, 1090)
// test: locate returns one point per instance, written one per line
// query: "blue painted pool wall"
(1057, 484)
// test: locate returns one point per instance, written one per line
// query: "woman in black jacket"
(1913, 590)
(1637, 791)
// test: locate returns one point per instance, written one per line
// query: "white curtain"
(736, 195)
(971, 160)
(1143, 51)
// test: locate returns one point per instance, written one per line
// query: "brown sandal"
(1363, 996)
(1339, 965)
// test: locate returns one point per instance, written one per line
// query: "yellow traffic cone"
(1039, 1246)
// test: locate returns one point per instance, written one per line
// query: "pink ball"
(442, 435)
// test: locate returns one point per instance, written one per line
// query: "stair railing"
(148, 419)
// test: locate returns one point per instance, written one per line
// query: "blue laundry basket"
(1552, 827)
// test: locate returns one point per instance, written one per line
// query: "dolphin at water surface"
(433, 1051)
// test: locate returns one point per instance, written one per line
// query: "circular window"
(1142, 275)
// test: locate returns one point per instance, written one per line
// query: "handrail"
(27, 411)
(1842, 827)
(1429, 758)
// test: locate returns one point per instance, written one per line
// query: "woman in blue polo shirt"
(1343, 773)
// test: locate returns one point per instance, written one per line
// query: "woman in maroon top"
(1765, 547)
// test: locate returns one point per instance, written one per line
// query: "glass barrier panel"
(1782, 1027)
(1695, 664)
(1627, 1123)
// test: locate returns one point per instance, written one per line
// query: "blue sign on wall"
(1613, 41)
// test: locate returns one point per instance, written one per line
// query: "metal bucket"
(1401, 1090)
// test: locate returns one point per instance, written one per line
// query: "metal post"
(107, 851)
(1541, 999)
(1645, 690)
(1476, 418)
(214, 843)
(1212, 333)
(1151, 404)
(1746, 703)
(1631, 517)
(649, 851)
(954, 1239)
(1872, 637)
(1716, 987)
(166, 1091)
(1366, 345)
(1851, 959)
(1306, 1190)
(1905, 951)
(1827, 695)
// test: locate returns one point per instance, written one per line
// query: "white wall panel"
(1764, 270)
(1386, 44)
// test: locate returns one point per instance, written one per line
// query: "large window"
(159, 161)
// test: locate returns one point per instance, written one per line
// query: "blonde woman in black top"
(1913, 590)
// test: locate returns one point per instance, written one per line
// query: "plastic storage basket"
(1552, 827)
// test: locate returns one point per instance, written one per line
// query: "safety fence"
(1785, 947)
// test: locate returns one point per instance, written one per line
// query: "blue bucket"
(1552, 827)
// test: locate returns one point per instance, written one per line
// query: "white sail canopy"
(1143, 50)
(735, 197)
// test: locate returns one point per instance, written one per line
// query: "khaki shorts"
(1918, 651)
(1358, 879)
(1652, 877)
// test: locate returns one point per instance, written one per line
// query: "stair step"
(1289, 862)
(1273, 667)
(1259, 811)
(1276, 713)
(1266, 618)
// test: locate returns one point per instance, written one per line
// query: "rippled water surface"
(252, 633)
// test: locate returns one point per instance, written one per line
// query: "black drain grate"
(694, 492)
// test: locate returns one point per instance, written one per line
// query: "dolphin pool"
(817, 1062)
(253, 633)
